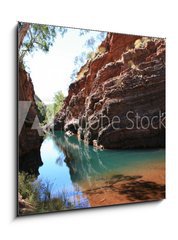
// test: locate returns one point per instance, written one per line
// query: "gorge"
(106, 145)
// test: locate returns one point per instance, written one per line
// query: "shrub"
(38, 195)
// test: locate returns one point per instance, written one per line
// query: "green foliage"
(38, 37)
(54, 108)
(58, 101)
(41, 109)
(90, 43)
(41, 37)
(25, 187)
(88, 53)
(38, 195)
(49, 113)
(83, 32)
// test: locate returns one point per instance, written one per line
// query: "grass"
(36, 196)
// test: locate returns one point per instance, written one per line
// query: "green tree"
(41, 108)
(49, 113)
(58, 101)
(36, 37)
(52, 109)
(88, 53)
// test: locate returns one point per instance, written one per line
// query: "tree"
(90, 43)
(83, 32)
(90, 55)
(58, 101)
(34, 37)
(90, 47)
(53, 108)
(22, 30)
(41, 109)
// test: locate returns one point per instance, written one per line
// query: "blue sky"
(50, 72)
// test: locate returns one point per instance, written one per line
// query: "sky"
(50, 72)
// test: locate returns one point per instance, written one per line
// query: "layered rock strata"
(119, 98)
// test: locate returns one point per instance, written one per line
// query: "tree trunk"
(22, 33)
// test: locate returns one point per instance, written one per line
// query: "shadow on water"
(31, 162)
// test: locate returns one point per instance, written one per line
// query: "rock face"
(29, 139)
(119, 98)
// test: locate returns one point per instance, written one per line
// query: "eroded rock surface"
(119, 98)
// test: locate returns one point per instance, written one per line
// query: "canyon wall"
(118, 100)
(29, 139)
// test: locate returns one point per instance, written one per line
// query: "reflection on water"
(55, 171)
(69, 164)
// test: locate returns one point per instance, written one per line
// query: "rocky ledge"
(118, 100)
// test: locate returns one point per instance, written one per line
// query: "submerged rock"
(69, 133)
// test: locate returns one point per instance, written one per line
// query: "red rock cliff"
(119, 99)
(29, 139)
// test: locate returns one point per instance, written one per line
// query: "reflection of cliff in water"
(31, 162)
(87, 164)
(84, 162)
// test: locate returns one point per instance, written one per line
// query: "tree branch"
(22, 33)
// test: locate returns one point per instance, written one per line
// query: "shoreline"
(137, 186)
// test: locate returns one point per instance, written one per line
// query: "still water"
(73, 167)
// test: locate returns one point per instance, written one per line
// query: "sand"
(145, 184)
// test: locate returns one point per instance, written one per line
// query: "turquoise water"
(68, 163)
